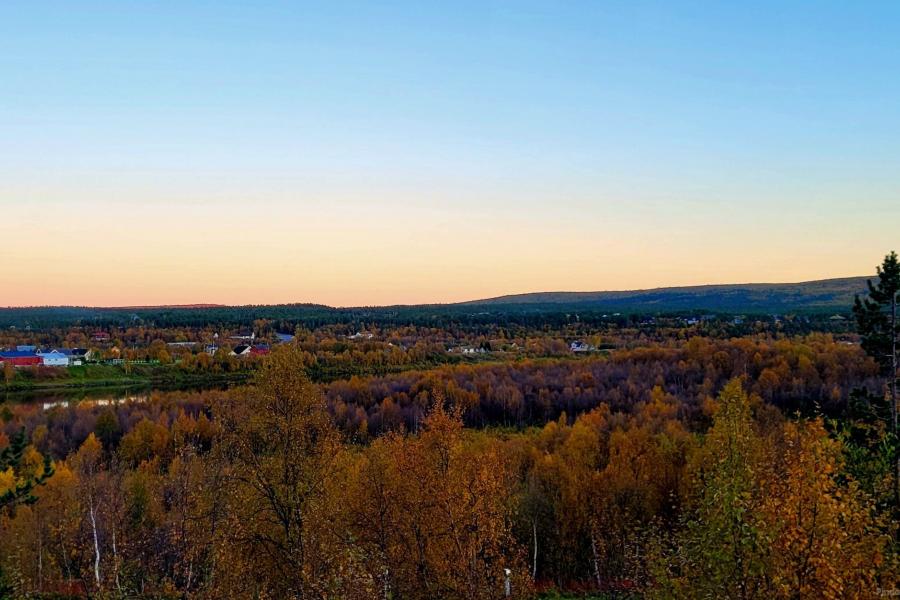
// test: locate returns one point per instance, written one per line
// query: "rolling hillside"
(826, 294)
(830, 295)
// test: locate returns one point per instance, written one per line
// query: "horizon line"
(200, 305)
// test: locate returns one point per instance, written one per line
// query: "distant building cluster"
(469, 350)
(31, 356)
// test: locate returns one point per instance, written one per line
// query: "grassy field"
(98, 375)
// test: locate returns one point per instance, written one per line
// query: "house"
(468, 350)
(54, 359)
(26, 348)
(361, 335)
(248, 350)
(284, 338)
(100, 336)
(211, 349)
(579, 346)
(76, 356)
(181, 344)
(18, 358)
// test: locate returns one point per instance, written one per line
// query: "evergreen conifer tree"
(876, 320)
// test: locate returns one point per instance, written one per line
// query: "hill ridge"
(854, 284)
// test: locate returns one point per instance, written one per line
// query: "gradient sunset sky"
(407, 152)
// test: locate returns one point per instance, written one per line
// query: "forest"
(814, 298)
(678, 462)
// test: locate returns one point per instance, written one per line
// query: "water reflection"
(47, 405)
(105, 396)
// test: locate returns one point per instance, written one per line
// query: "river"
(98, 396)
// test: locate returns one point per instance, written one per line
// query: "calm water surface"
(97, 396)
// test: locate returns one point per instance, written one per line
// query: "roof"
(71, 351)
(16, 354)
(241, 349)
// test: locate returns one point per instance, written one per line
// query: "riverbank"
(96, 376)
(114, 376)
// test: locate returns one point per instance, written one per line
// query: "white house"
(579, 346)
(76, 356)
(361, 335)
(54, 359)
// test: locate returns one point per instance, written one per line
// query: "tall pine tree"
(876, 319)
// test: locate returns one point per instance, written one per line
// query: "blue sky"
(690, 125)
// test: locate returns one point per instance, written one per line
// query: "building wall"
(51, 360)
(23, 361)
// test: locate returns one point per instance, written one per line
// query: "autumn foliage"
(668, 472)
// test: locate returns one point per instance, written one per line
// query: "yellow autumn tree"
(825, 543)
(281, 449)
(722, 549)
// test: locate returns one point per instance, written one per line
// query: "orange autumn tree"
(432, 513)
(772, 517)
(470, 485)
(281, 449)
(825, 543)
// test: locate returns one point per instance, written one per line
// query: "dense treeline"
(255, 493)
(816, 310)
(339, 351)
(812, 373)
(332, 343)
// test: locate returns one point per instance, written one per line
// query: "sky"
(363, 153)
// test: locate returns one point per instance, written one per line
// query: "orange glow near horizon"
(353, 254)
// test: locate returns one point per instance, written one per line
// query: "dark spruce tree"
(11, 458)
(876, 320)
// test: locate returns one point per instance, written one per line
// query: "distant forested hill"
(830, 295)
(826, 294)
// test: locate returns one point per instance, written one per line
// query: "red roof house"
(21, 359)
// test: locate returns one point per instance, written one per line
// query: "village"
(30, 355)
(79, 347)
